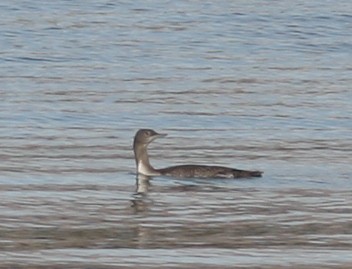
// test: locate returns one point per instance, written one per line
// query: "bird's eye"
(147, 133)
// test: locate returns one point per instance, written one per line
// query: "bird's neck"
(142, 160)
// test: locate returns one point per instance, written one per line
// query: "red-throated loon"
(144, 137)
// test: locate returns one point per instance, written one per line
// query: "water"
(249, 84)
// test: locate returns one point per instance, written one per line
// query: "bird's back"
(205, 171)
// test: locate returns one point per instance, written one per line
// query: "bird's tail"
(256, 173)
(246, 174)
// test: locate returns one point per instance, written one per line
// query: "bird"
(144, 137)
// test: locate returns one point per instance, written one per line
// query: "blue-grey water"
(249, 84)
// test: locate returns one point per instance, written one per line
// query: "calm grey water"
(250, 84)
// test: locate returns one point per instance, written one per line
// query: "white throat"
(145, 169)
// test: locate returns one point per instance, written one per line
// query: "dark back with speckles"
(205, 171)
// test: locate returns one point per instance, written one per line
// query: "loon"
(144, 137)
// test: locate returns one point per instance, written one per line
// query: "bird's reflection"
(142, 184)
(140, 200)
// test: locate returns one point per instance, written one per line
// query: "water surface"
(247, 84)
